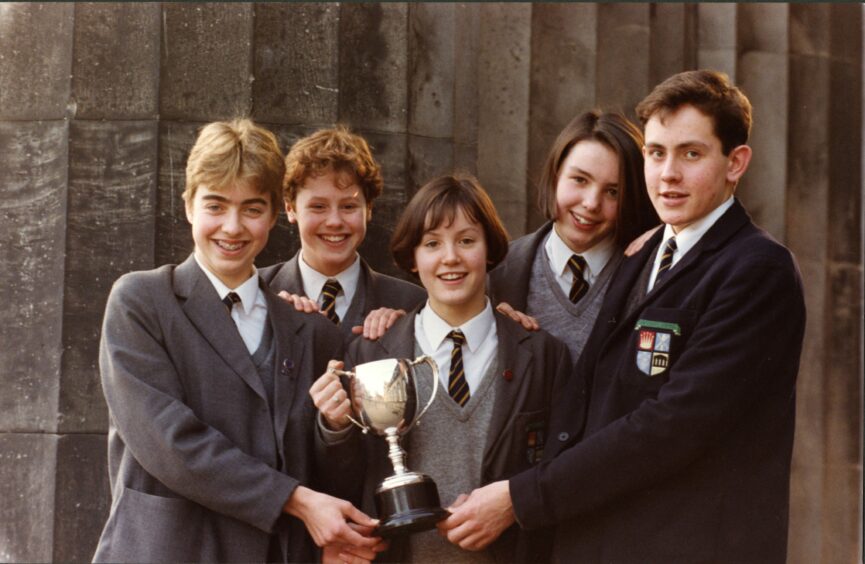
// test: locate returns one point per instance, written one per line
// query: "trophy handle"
(435, 375)
(350, 375)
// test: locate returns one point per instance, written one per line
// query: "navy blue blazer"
(374, 290)
(686, 437)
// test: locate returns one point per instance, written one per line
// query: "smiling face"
(230, 227)
(587, 195)
(451, 262)
(331, 214)
(687, 174)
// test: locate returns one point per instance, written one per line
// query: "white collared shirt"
(687, 237)
(250, 314)
(558, 254)
(479, 351)
(313, 283)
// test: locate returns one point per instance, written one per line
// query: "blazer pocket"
(524, 444)
(151, 528)
(658, 337)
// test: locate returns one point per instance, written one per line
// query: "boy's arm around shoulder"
(146, 399)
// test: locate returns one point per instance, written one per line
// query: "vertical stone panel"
(110, 231)
(115, 71)
(206, 64)
(716, 32)
(32, 240)
(672, 40)
(623, 56)
(564, 48)
(373, 65)
(763, 70)
(82, 496)
(35, 60)
(807, 224)
(295, 66)
(27, 469)
(431, 91)
(173, 235)
(503, 109)
(465, 119)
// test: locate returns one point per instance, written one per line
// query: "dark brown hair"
(635, 213)
(335, 150)
(711, 93)
(435, 204)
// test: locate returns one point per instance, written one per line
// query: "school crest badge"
(653, 345)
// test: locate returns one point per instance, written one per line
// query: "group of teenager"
(594, 406)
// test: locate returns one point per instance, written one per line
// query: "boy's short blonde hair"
(335, 150)
(227, 152)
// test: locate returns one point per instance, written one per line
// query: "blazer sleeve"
(145, 398)
(744, 347)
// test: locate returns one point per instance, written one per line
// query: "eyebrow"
(223, 199)
(682, 145)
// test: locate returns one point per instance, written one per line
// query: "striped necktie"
(328, 299)
(579, 287)
(666, 258)
(230, 299)
(458, 388)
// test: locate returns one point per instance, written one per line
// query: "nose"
(592, 198)
(333, 218)
(670, 170)
(451, 255)
(232, 224)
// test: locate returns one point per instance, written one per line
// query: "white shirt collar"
(475, 329)
(313, 280)
(688, 236)
(596, 257)
(249, 292)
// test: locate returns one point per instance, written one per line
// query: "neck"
(457, 315)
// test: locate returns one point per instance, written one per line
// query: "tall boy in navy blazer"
(676, 445)
(331, 182)
(205, 373)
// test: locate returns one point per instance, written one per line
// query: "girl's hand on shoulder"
(637, 244)
(377, 323)
(528, 322)
(300, 303)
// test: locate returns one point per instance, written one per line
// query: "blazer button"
(564, 436)
(508, 375)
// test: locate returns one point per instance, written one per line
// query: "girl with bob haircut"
(497, 380)
(593, 194)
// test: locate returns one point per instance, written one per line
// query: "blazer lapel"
(515, 361)
(204, 309)
(290, 349)
(398, 342)
(288, 278)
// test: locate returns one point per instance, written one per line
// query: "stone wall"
(99, 104)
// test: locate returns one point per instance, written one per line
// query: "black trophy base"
(409, 508)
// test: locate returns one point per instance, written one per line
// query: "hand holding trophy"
(384, 400)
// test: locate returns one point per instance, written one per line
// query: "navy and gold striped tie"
(458, 388)
(230, 299)
(579, 287)
(666, 258)
(328, 299)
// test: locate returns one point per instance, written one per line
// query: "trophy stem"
(395, 453)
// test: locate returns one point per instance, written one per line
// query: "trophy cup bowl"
(384, 399)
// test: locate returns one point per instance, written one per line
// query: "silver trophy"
(384, 400)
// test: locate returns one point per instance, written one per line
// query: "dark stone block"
(623, 60)
(115, 74)
(32, 248)
(373, 66)
(173, 233)
(27, 467)
(35, 60)
(82, 496)
(809, 29)
(428, 157)
(465, 120)
(431, 70)
(110, 231)
(672, 40)
(206, 61)
(296, 56)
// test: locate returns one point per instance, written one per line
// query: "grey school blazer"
(374, 290)
(200, 468)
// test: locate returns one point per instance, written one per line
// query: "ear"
(737, 163)
(369, 211)
(188, 208)
(289, 211)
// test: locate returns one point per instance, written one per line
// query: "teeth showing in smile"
(581, 220)
(230, 246)
(333, 238)
(451, 276)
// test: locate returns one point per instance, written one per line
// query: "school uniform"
(371, 290)
(205, 443)
(684, 452)
(526, 373)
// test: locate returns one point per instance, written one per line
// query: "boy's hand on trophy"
(331, 399)
(478, 519)
(351, 554)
